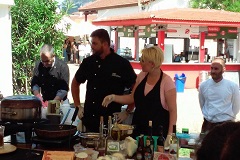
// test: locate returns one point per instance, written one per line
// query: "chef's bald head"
(220, 61)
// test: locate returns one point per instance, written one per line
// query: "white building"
(6, 86)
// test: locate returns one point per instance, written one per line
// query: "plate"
(7, 148)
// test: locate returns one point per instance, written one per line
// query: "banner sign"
(215, 32)
(147, 31)
(125, 31)
(182, 31)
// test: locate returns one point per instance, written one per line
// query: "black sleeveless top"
(149, 107)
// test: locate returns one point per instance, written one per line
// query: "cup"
(53, 107)
(2, 136)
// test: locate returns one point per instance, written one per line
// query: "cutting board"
(7, 148)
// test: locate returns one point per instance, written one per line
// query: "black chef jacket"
(50, 80)
(104, 76)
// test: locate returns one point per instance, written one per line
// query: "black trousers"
(207, 126)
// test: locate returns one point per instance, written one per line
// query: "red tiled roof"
(105, 4)
(79, 19)
(176, 15)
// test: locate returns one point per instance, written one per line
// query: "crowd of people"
(75, 52)
(152, 92)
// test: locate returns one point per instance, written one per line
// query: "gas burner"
(37, 140)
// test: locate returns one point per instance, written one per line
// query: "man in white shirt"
(219, 98)
(82, 53)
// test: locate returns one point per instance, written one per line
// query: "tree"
(73, 5)
(228, 5)
(33, 24)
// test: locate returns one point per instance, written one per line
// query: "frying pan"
(56, 131)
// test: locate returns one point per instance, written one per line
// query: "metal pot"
(89, 139)
(122, 131)
(20, 108)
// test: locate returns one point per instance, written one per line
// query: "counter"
(189, 66)
(191, 70)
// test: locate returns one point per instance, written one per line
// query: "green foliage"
(68, 6)
(33, 24)
(73, 5)
(228, 5)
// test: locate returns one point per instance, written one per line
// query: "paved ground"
(189, 113)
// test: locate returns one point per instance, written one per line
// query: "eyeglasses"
(47, 61)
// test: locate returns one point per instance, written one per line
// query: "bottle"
(116, 134)
(160, 141)
(112, 146)
(140, 149)
(101, 135)
(101, 146)
(174, 144)
(148, 153)
(150, 140)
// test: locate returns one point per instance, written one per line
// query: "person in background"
(218, 97)
(82, 53)
(69, 50)
(227, 51)
(154, 95)
(105, 72)
(88, 49)
(112, 45)
(207, 56)
(64, 51)
(177, 57)
(74, 51)
(221, 143)
(50, 77)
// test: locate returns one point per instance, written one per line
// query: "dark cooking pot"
(54, 131)
(89, 139)
(20, 108)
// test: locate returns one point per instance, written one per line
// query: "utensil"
(53, 107)
(65, 116)
(75, 115)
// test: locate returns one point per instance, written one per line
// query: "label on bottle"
(139, 156)
(113, 146)
(160, 149)
(173, 149)
(147, 156)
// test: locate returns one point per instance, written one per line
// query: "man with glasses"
(50, 77)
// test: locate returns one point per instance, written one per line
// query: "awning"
(199, 17)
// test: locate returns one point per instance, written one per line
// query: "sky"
(59, 1)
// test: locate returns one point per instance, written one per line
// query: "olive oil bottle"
(112, 146)
(174, 144)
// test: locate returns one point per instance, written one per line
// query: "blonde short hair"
(153, 54)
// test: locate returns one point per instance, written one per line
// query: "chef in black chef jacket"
(50, 77)
(105, 72)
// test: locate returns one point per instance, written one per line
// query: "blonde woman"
(154, 95)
